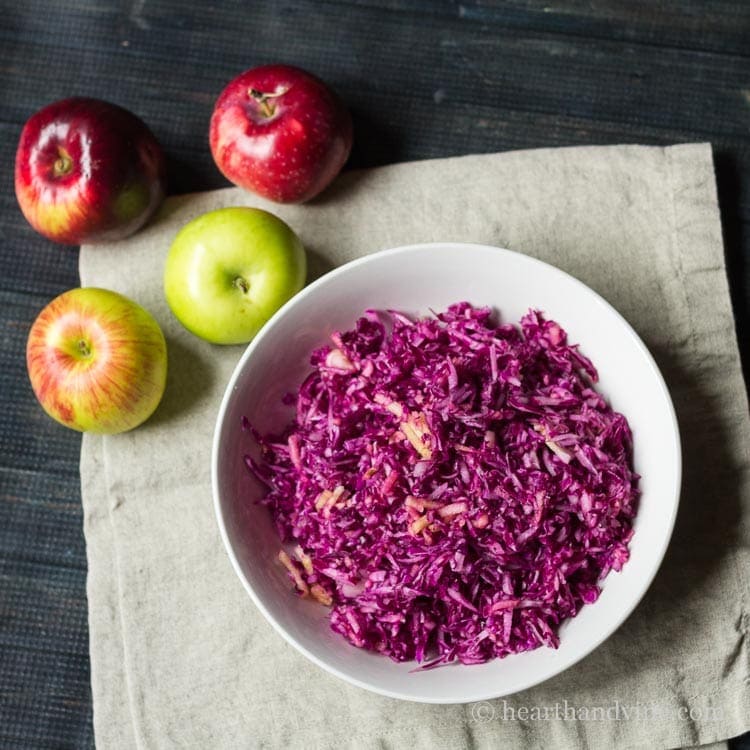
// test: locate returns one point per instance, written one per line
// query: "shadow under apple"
(189, 378)
(317, 264)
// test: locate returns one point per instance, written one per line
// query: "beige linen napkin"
(180, 657)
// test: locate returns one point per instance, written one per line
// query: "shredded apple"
(451, 488)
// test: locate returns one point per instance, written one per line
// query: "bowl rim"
(639, 592)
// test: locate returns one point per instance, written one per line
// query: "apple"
(88, 171)
(229, 270)
(280, 132)
(97, 361)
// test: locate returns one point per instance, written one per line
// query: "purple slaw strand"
(452, 489)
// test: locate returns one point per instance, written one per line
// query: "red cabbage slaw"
(452, 489)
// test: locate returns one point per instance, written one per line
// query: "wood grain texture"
(423, 79)
(695, 25)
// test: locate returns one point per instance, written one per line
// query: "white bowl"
(415, 279)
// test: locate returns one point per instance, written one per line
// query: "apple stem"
(84, 348)
(241, 284)
(266, 107)
(63, 163)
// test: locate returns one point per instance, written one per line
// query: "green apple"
(228, 271)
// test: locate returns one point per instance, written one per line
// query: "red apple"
(280, 132)
(97, 361)
(88, 171)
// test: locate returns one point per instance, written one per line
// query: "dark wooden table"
(423, 79)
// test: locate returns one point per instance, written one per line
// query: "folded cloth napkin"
(180, 657)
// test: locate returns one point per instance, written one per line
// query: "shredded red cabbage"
(452, 489)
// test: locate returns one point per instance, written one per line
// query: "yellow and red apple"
(88, 171)
(97, 361)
